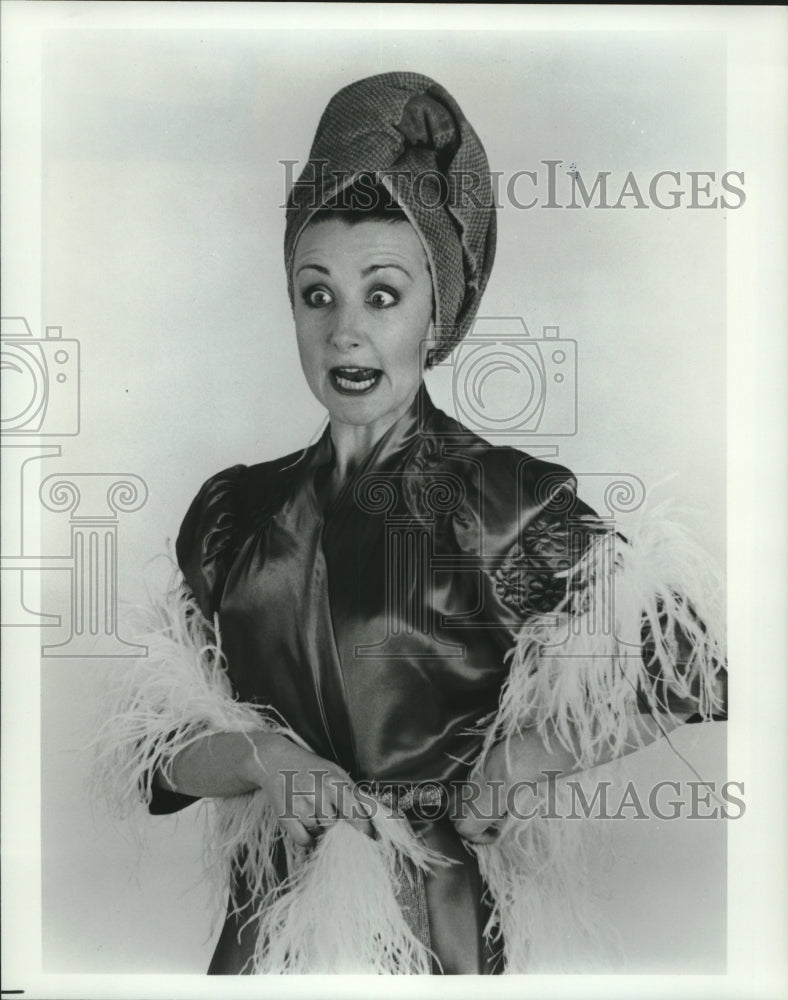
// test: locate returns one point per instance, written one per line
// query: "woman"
(366, 624)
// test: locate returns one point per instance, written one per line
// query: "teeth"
(347, 383)
(347, 377)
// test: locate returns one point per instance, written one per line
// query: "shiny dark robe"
(376, 624)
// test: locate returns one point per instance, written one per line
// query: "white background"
(160, 247)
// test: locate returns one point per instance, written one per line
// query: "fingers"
(346, 805)
(318, 799)
(478, 811)
(296, 831)
(478, 831)
(307, 820)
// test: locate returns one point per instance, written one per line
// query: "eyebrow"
(365, 273)
(383, 267)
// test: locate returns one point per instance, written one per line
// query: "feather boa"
(576, 681)
(580, 681)
(337, 910)
(539, 875)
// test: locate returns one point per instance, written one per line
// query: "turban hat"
(409, 132)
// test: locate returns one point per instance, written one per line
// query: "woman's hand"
(481, 804)
(306, 792)
(478, 808)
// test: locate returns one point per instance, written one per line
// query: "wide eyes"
(378, 298)
(382, 298)
(317, 297)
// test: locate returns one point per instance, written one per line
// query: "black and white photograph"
(393, 443)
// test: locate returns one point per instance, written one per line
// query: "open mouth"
(355, 381)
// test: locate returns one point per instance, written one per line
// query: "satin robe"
(377, 624)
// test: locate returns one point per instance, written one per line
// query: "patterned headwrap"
(409, 132)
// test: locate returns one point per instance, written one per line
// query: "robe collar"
(389, 448)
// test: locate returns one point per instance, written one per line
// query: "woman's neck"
(353, 442)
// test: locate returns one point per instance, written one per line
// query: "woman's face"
(363, 307)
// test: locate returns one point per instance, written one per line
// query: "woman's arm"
(220, 764)
(304, 790)
(525, 758)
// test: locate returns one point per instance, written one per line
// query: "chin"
(355, 411)
(359, 410)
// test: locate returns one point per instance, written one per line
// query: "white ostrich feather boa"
(576, 680)
(337, 910)
(540, 874)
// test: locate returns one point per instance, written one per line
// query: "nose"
(347, 330)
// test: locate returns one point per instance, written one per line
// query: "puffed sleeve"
(205, 544)
(608, 619)
(204, 550)
(180, 691)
